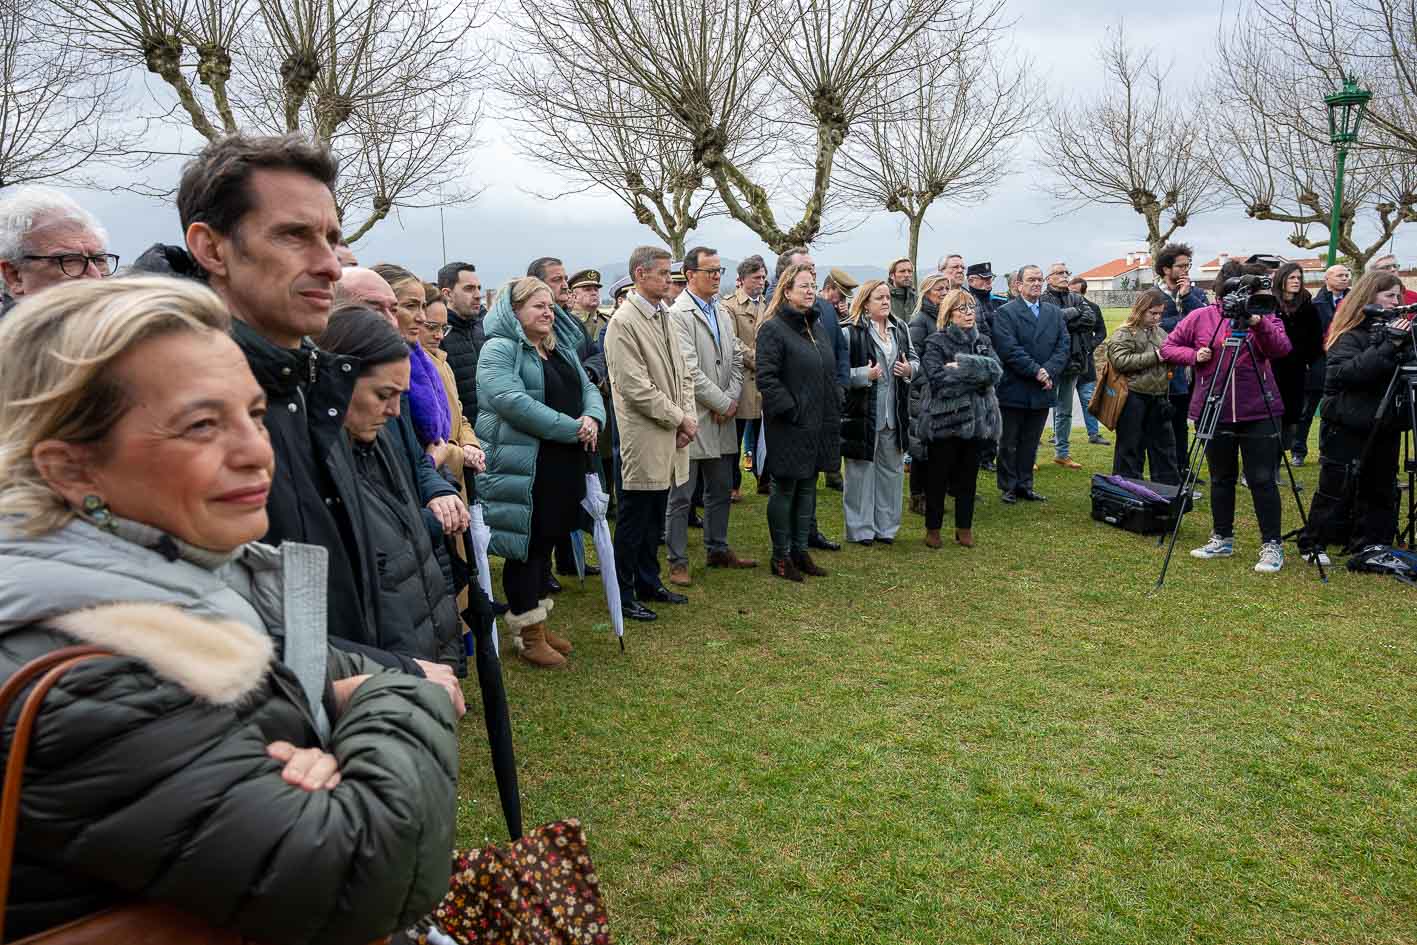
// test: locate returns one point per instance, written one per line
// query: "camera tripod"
(1221, 384)
(1401, 394)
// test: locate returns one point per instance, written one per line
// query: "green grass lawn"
(1015, 743)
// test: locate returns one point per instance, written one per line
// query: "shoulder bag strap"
(51, 666)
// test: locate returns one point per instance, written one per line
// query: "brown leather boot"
(807, 566)
(531, 634)
(965, 537)
(932, 538)
(785, 568)
(557, 642)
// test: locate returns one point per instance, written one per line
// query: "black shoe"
(553, 586)
(989, 467)
(634, 610)
(865, 542)
(885, 541)
(590, 571)
(1008, 498)
(696, 520)
(1297, 459)
(834, 481)
(822, 543)
(1097, 439)
(663, 595)
(1031, 496)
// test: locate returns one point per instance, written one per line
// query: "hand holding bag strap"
(52, 665)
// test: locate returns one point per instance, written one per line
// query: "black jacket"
(796, 374)
(314, 497)
(1291, 372)
(1325, 306)
(414, 611)
(463, 343)
(985, 304)
(1085, 331)
(138, 789)
(1360, 365)
(858, 416)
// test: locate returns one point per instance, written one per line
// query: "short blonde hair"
(57, 352)
(953, 300)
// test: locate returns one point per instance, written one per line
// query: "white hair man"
(1389, 264)
(45, 239)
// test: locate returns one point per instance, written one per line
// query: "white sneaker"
(1217, 547)
(1271, 558)
(1323, 558)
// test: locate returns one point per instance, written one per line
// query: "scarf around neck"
(428, 403)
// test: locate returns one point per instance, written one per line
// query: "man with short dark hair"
(461, 288)
(552, 271)
(1173, 271)
(746, 306)
(1083, 337)
(47, 239)
(260, 220)
(1032, 341)
(710, 346)
(654, 407)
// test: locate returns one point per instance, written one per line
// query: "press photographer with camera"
(1247, 427)
(1356, 502)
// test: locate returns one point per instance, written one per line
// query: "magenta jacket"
(1208, 327)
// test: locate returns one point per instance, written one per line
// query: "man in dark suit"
(1033, 344)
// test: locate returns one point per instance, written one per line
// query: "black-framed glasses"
(74, 265)
(713, 272)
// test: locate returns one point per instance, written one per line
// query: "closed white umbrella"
(597, 503)
(481, 538)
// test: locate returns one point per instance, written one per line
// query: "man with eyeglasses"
(709, 340)
(45, 239)
(1080, 373)
(1389, 264)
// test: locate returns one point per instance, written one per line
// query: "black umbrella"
(478, 616)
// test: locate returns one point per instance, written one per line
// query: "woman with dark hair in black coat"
(801, 416)
(1301, 324)
(416, 616)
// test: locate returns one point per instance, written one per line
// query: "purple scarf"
(427, 400)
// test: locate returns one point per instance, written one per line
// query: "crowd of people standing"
(252, 432)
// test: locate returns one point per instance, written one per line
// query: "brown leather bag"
(1110, 394)
(149, 923)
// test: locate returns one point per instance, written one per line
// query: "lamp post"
(1345, 114)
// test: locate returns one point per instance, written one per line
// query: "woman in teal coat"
(538, 417)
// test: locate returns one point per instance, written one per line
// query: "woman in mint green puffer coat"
(539, 418)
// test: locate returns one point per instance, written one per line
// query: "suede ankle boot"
(557, 642)
(807, 566)
(932, 538)
(531, 639)
(965, 536)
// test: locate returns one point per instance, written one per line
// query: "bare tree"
(950, 139)
(600, 132)
(59, 106)
(1373, 40)
(1128, 145)
(811, 68)
(1267, 104)
(348, 72)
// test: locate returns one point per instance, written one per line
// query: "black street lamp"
(1345, 114)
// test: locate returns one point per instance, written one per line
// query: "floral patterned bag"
(540, 890)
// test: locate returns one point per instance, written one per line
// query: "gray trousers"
(718, 483)
(871, 500)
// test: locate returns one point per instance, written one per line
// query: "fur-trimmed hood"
(220, 661)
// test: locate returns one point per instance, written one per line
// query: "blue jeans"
(1063, 413)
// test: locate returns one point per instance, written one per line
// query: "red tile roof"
(1115, 268)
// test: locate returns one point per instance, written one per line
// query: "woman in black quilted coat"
(224, 761)
(796, 376)
(962, 414)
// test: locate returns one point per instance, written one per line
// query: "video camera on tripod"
(1240, 299)
(1399, 325)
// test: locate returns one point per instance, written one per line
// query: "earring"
(97, 511)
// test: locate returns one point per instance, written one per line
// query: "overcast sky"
(507, 227)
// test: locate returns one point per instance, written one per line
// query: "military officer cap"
(676, 274)
(620, 287)
(981, 269)
(843, 281)
(586, 277)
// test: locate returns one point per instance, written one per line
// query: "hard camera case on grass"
(1117, 506)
